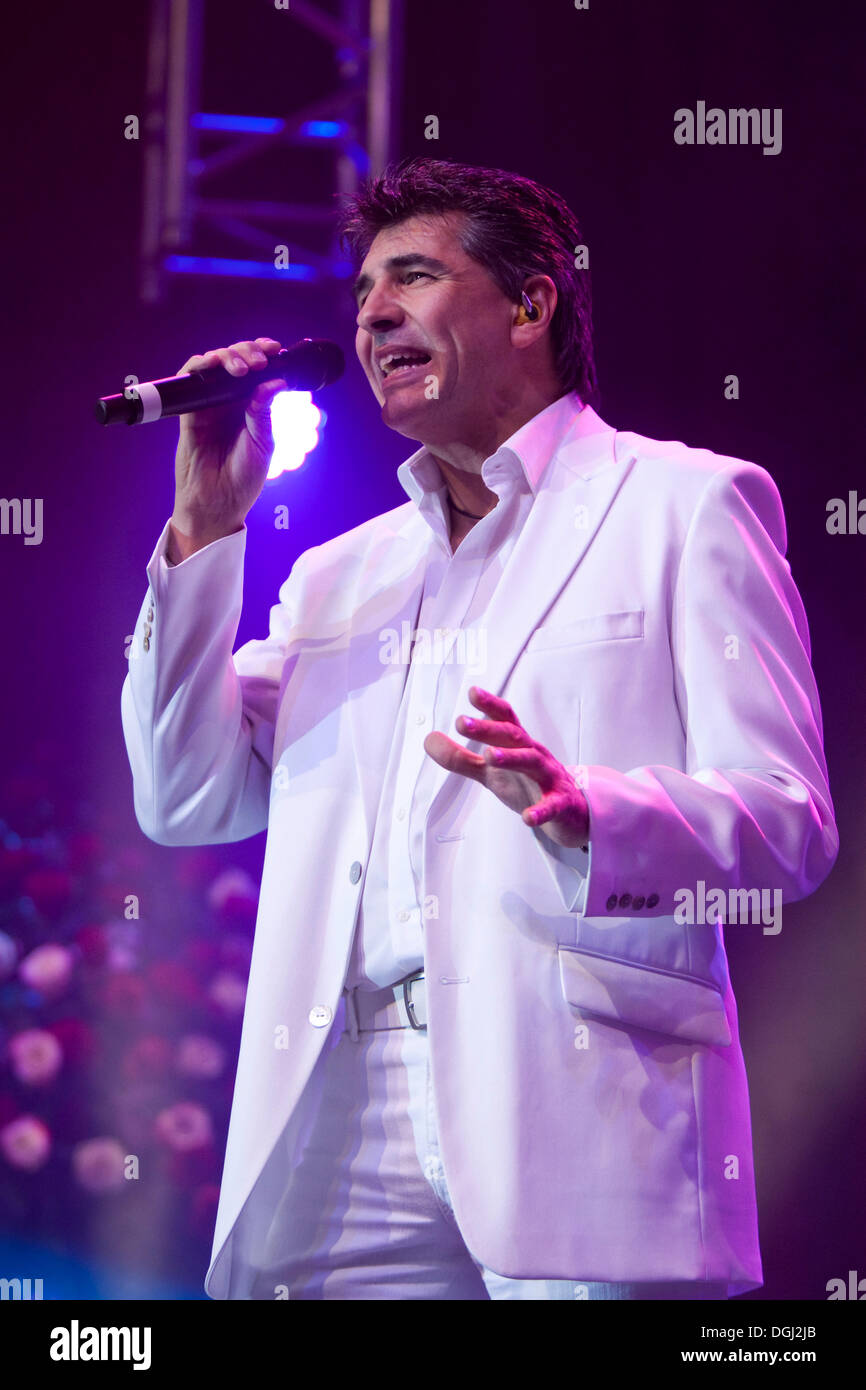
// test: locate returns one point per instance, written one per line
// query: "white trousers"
(366, 1212)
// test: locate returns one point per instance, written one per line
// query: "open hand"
(517, 769)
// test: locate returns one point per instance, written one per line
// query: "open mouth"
(403, 364)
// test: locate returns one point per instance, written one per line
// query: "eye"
(404, 277)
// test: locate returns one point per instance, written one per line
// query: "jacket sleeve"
(752, 809)
(198, 722)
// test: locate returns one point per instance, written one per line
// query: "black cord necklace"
(464, 513)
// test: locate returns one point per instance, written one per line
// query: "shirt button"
(401, 814)
(403, 915)
(611, 902)
(355, 871)
(320, 1015)
(652, 900)
(420, 718)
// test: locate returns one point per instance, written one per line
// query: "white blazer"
(590, 1090)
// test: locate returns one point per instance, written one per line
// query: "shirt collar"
(528, 450)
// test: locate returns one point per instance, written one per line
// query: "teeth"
(409, 357)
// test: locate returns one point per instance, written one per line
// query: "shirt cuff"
(570, 870)
(159, 566)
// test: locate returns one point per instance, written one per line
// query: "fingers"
(534, 762)
(492, 705)
(493, 731)
(266, 390)
(549, 807)
(452, 757)
(238, 359)
(569, 822)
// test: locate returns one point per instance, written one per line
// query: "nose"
(379, 312)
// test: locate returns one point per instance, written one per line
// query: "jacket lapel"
(571, 503)
(575, 492)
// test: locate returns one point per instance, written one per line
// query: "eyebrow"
(408, 258)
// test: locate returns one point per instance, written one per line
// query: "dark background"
(705, 261)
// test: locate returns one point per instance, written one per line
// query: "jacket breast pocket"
(595, 627)
(680, 1006)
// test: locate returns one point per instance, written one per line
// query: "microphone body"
(306, 366)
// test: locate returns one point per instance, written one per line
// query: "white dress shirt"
(389, 933)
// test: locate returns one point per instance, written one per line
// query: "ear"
(542, 292)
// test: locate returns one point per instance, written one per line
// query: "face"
(417, 289)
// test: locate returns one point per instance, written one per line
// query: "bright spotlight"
(295, 421)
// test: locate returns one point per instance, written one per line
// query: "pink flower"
(200, 1056)
(228, 992)
(25, 1143)
(35, 1055)
(98, 1164)
(184, 1126)
(47, 968)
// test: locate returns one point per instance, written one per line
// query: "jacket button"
(611, 902)
(652, 899)
(150, 615)
(355, 871)
(146, 644)
(638, 904)
(625, 900)
(320, 1015)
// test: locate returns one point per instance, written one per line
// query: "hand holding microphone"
(226, 441)
(223, 453)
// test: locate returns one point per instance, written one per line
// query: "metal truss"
(354, 124)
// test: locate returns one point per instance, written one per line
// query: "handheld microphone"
(306, 366)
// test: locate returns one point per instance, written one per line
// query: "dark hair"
(514, 227)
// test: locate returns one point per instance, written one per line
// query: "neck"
(464, 444)
(461, 460)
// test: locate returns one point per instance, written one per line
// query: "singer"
(482, 1058)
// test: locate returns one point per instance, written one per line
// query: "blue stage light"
(218, 265)
(256, 125)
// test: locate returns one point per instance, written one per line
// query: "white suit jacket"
(590, 1090)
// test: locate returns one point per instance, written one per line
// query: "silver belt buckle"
(407, 1000)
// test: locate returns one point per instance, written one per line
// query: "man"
(484, 1055)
